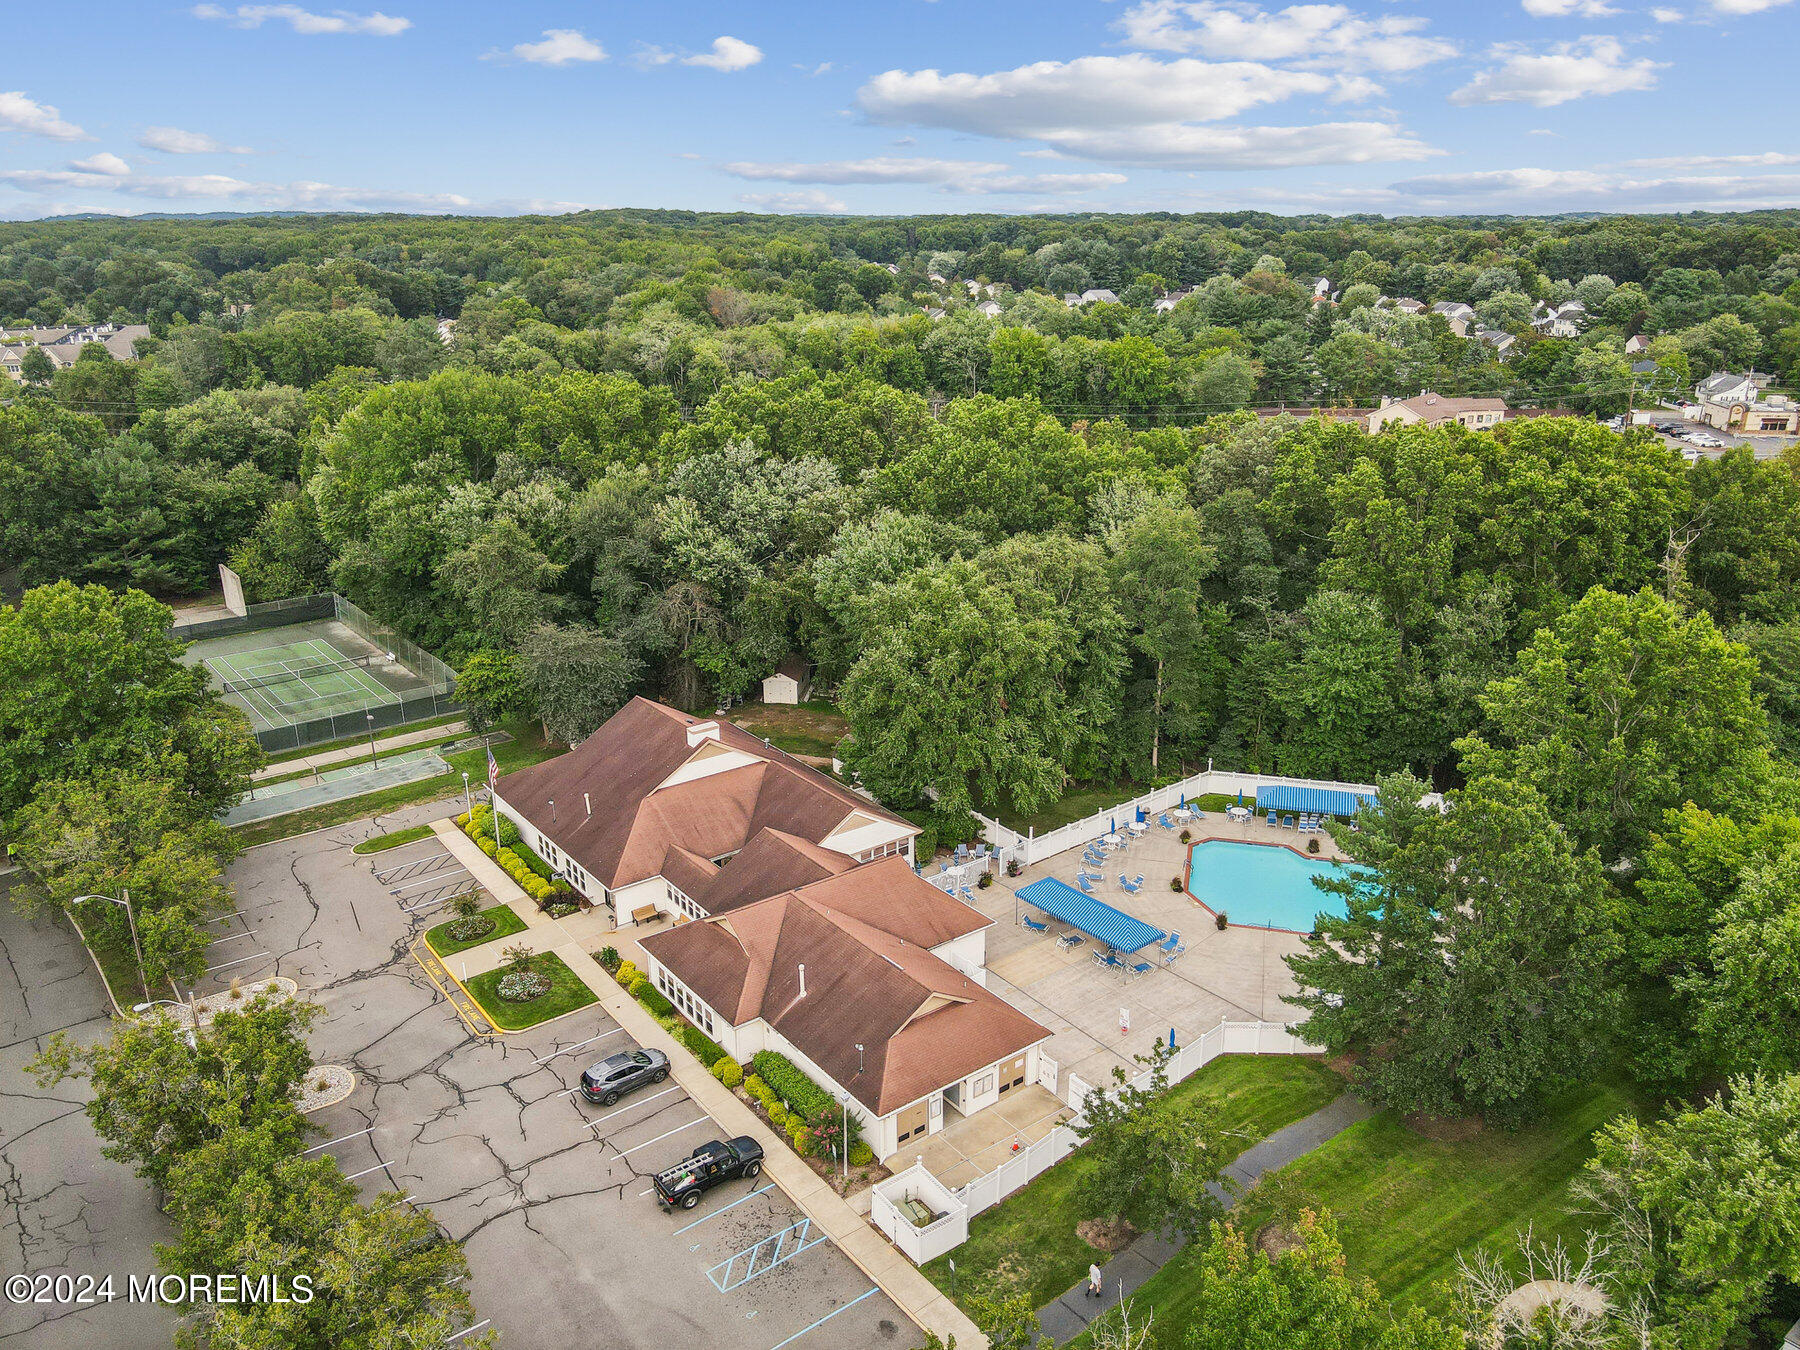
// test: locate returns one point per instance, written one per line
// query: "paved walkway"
(326, 758)
(1067, 1317)
(572, 939)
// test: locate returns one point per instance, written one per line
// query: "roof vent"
(803, 979)
(702, 731)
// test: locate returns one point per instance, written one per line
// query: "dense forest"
(661, 453)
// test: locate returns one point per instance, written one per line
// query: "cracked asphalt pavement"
(548, 1194)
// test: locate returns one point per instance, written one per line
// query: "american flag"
(493, 768)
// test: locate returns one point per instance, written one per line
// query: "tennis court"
(331, 674)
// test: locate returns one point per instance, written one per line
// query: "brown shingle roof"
(863, 937)
(635, 821)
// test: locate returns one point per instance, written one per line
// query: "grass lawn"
(1406, 1204)
(800, 729)
(381, 843)
(526, 747)
(567, 993)
(1027, 1243)
(506, 923)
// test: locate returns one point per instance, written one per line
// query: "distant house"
(1560, 321)
(991, 308)
(893, 269)
(791, 682)
(1101, 296)
(446, 331)
(934, 314)
(1435, 410)
(1407, 305)
(63, 344)
(1644, 367)
(1737, 403)
(1499, 339)
(1072, 300)
(1637, 346)
(1172, 299)
(1458, 315)
(1321, 288)
(935, 279)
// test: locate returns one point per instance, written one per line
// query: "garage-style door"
(912, 1121)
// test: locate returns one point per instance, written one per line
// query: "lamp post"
(374, 760)
(468, 804)
(130, 919)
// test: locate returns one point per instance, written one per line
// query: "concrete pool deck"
(1235, 975)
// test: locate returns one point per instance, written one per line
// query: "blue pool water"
(1262, 884)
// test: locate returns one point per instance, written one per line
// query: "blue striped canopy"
(1098, 920)
(1316, 801)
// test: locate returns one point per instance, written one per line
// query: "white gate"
(1047, 1071)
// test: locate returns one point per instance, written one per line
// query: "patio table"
(1182, 813)
(1137, 827)
(1111, 840)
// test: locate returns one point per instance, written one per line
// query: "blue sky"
(1402, 107)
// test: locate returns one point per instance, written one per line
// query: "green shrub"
(608, 957)
(627, 974)
(861, 1155)
(798, 1092)
(780, 1117)
(801, 1138)
(705, 1049)
(479, 824)
(532, 861)
(651, 997)
(728, 1072)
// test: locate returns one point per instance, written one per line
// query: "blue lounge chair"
(1068, 940)
(1132, 886)
(1087, 887)
(1141, 968)
(1033, 924)
(966, 893)
(1164, 821)
(1171, 947)
(1287, 822)
(1108, 958)
(1271, 818)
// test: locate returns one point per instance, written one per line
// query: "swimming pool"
(1263, 885)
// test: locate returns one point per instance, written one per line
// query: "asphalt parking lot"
(550, 1195)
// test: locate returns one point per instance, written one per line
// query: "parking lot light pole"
(131, 920)
(193, 1028)
(374, 760)
(468, 805)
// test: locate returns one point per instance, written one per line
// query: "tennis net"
(295, 673)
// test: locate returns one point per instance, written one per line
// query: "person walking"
(1094, 1283)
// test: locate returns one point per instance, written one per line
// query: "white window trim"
(685, 999)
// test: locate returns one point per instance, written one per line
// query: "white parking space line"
(341, 1139)
(626, 1153)
(578, 1044)
(240, 961)
(231, 937)
(826, 1318)
(365, 1172)
(599, 1120)
(484, 1321)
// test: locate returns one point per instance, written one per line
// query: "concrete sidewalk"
(1068, 1316)
(897, 1277)
(324, 759)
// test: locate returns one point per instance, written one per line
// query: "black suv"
(684, 1183)
(628, 1071)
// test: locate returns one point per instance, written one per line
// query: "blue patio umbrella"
(1240, 796)
(1184, 799)
(1112, 826)
(1140, 815)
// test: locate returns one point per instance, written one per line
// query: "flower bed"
(521, 986)
(566, 993)
(446, 942)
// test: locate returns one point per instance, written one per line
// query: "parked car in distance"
(681, 1186)
(1668, 428)
(624, 1072)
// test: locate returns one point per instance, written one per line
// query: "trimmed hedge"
(704, 1048)
(651, 997)
(798, 1092)
(628, 974)
(518, 862)
(728, 1072)
(861, 1155)
(479, 824)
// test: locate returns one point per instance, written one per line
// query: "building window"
(679, 900)
(683, 997)
(887, 850)
(983, 1085)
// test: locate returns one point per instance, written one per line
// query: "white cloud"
(1599, 189)
(1768, 159)
(1568, 71)
(1041, 100)
(648, 54)
(1663, 14)
(27, 115)
(1563, 9)
(1747, 6)
(880, 169)
(108, 174)
(301, 20)
(1034, 184)
(1308, 35)
(823, 68)
(1138, 110)
(103, 163)
(175, 141)
(728, 54)
(560, 47)
(807, 201)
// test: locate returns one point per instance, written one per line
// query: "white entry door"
(1047, 1070)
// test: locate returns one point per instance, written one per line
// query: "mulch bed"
(1109, 1235)
(1445, 1129)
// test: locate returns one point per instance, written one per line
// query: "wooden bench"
(643, 914)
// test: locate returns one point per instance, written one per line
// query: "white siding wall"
(968, 954)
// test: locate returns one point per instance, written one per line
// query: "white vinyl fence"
(952, 1209)
(1026, 849)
